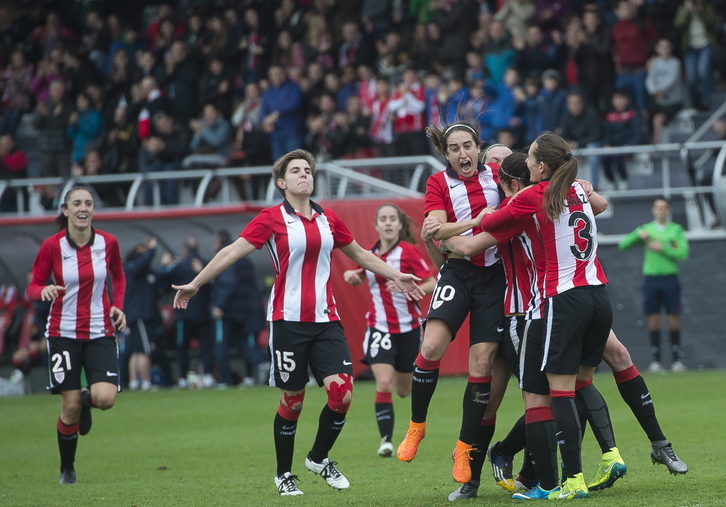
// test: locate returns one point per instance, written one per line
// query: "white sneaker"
(286, 485)
(182, 383)
(208, 381)
(133, 385)
(146, 385)
(676, 367)
(327, 471)
(16, 376)
(655, 367)
(386, 449)
(247, 382)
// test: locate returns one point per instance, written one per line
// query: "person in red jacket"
(82, 321)
(13, 166)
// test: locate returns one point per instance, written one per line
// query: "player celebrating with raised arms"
(82, 321)
(305, 330)
(393, 338)
(471, 287)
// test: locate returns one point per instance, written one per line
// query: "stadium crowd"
(123, 87)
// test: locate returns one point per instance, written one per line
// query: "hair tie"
(460, 125)
(568, 155)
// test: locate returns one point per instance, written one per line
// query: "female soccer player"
(466, 286)
(305, 326)
(393, 338)
(81, 322)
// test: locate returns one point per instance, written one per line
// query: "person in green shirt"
(665, 244)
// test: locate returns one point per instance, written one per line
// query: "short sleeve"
(435, 197)
(341, 234)
(259, 230)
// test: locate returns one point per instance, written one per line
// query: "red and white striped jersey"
(522, 254)
(81, 311)
(409, 109)
(381, 129)
(392, 312)
(301, 251)
(570, 242)
(463, 199)
(367, 93)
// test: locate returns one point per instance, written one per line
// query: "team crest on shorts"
(374, 352)
(284, 376)
(60, 376)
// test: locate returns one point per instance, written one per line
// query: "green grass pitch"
(214, 448)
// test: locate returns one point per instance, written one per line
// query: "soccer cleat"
(86, 421)
(501, 468)
(536, 493)
(327, 471)
(465, 491)
(611, 468)
(67, 476)
(655, 367)
(386, 449)
(524, 484)
(573, 487)
(462, 456)
(407, 449)
(286, 484)
(16, 377)
(664, 455)
(678, 367)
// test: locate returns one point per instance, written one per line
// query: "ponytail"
(555, 153)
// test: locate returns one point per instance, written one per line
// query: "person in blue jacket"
(282, 113)
(238, 314)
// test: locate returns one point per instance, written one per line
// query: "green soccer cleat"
(573, 487)
(611, 468)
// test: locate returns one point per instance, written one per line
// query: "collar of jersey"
(378, 245)
(73, 243)
(291, 211)
(453, 174)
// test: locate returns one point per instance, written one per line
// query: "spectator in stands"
(282, 113)
(324, 135)
(164, 39)
(550, 15)
(254, 45)
(381, 124)
(238, 315)
(581, 127)
(129, 42)
(288, 52)
(212, 140)
(13, 166)
(453, 98)
(48, 72)
(498, 51)
(194, 33)
(623, 126)
(51, 120)
(457, 19)
(247, 119)
(142, 315)
(516, 16)
(219, 40)
(593, 55)
(366, 88)
(355, 48)
(633, 42)
(538, 52)
(554, 99)
(500, 111)
(193, 321)
(120, 148)
(664, 83)
(163, 151)
(104, 194)
(665, 245)
(85, 126)
(120, 77)
(348, 87)
(95, 39)
(319, 41)
(354, 129)
(408, 107)
(696, 21)
(15, 87)
(52, 34)
(79, 72)
(215, 85)
(182, 81)
(530, 111)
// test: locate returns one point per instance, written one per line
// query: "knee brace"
(337, 393)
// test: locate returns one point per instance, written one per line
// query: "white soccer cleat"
(286, 485)
(327, 471)
(386, 449)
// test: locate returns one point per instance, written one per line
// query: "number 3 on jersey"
(584, 244)
(441, 294)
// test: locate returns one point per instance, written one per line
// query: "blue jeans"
(634, 84)
(697, 63)
(282, 145)
(169, 188)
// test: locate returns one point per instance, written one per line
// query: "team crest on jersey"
(437, 304)
(374, 352)
(60, 376)
(284, 376)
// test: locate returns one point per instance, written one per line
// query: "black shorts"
(66, 357)
(661, 292)
(296, 347)
(466, 289)
(398, 350)
(532, 379)
(509, 349)
(137, 338)
(577, 326)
